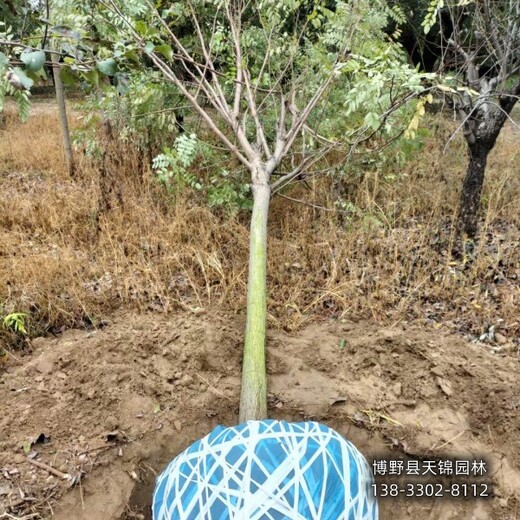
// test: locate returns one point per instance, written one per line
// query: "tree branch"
(304, 165)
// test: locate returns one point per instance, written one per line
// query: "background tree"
(481, 52)
(62, 112)
(26, 27)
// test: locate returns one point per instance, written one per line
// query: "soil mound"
(90, 417)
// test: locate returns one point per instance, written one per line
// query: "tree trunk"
(472, 188)
(481, 134)
(253, 399)
(62, 111)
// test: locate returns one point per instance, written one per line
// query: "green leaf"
(3, 60)
(24, 109)
(25, 80)
(149, 47)
(132, 55)
(68, 76)
(107, 67)
(91, 77)
(39, 74)
(166, 51)
(141, 27)
(372, 120)
(34, 61)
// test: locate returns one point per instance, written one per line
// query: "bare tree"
(256, 153)
(258, 74)
(483, 46)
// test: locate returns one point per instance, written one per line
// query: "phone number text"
(419, 490)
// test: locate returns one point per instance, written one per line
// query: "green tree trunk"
(62, 111)
(253, 400)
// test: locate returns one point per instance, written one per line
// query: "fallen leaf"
(29, 443)
(134, 475)
(445, 386)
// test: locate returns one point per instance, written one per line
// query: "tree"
(22, 23)
(58, 83)
(262, 76)
(280, 84)
(482, 46)
(62, 112)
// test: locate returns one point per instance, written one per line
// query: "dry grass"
(34, 146)
(67, 263)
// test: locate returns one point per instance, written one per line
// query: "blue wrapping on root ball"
(267, 470)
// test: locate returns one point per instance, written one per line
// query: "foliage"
(431, 14)
(420, 110)
(144, 114)
(374, 83)
(172, 165)
(15, 322)
(22, 97)
(275, 33)
(229, 191)
(21, 16)
(15, 81)
(305, 38)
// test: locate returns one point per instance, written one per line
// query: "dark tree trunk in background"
(472, 188)
(481, 133)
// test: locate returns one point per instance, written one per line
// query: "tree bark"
(472, 188)
(253, 399)
(62, 111)
(481, 136)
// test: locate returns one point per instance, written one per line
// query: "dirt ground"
(110, 407)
